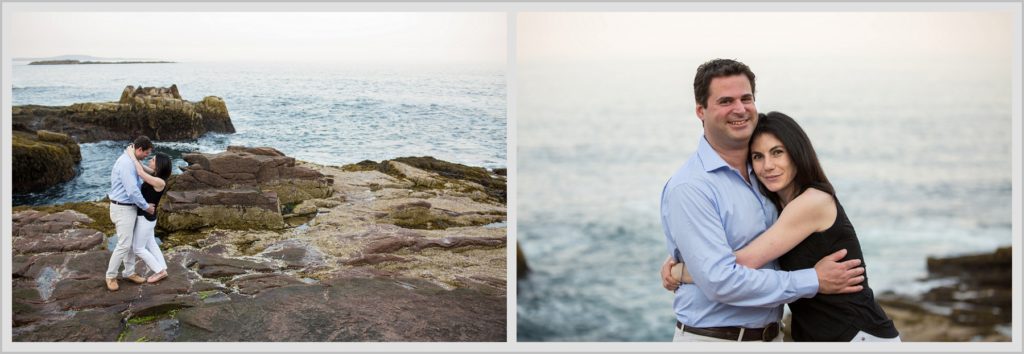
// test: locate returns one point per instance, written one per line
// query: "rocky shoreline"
(45, 149)
(411, 249)
(975, 305)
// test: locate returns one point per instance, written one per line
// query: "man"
(712, 206)
(125, 196)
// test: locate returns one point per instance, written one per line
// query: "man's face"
(141, 154)
(730, 115)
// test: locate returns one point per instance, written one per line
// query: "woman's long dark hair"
(798, 146)
(163, 166)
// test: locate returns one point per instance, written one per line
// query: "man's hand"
(151, 209)
(666, 275)
(839, 278)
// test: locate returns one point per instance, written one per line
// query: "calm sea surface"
(324, 113)
(920, 156)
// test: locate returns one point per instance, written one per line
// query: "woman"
(811, 225)
(144, 242)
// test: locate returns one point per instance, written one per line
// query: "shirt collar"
(710, 158)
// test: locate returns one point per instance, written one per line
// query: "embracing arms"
(695, 232)
(810, 212)
(144, 172)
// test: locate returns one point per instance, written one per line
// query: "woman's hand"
(130, 150)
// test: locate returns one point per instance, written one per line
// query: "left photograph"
(258, 177)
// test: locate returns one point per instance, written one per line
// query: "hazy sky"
(225, 36)
(896, 35)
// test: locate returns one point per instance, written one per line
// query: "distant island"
(71, 62)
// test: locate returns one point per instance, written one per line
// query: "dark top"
(152, 197)
(832, 318)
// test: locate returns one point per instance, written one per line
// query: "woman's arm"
(142, 171)
(810, 212)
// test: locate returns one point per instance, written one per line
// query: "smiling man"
(711, 207)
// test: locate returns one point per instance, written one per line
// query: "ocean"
(919, 153)
(331, 114)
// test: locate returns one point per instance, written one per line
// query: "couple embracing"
(752, 223)
(135, 190)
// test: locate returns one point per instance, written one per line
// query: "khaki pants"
(123, 217)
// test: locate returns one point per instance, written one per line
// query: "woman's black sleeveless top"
(829, 318)
(152, 197)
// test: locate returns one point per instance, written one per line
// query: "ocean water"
(920, 156)
(325, 113)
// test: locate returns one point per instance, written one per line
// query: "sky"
(430, 37)
(894, 35)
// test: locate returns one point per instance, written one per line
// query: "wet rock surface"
(159, 113)
(342, 272)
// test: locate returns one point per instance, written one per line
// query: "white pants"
(123, 217)
(865, 337)
(144, 245)
(681, 336)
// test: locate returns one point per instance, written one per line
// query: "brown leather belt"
(766, 334)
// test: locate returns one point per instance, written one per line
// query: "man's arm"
(699, 235)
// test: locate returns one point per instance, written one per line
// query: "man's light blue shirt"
(125, 183)
(708, 211)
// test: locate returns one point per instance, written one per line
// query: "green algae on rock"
(42, 159)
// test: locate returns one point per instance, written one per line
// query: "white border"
(511, 153)
(512, 9)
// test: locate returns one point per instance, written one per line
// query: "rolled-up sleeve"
(694, 225)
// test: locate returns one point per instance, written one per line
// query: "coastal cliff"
(408, 254)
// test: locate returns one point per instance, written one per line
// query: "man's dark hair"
(807, 167)
(142, 142)
(717, 68)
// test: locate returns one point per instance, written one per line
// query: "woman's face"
(772, 165)
(152, 164)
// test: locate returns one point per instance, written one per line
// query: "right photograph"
(765, 176)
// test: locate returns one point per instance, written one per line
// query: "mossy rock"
(42, 160)
(425, 218)
(226, 217)
(495, 187)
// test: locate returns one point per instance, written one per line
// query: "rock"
(351, 310)
(972, 309)
(42, 160)
(521, 267)
(68, 240)
(255, 283)
(226, 208)
(216, 267)
(157, 112)
(321, 281)
(40, 232)
(241, 188)
(374, 259)
(295, 254)
(84, 326)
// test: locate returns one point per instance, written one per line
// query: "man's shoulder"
(122, 162)
(690, 173)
